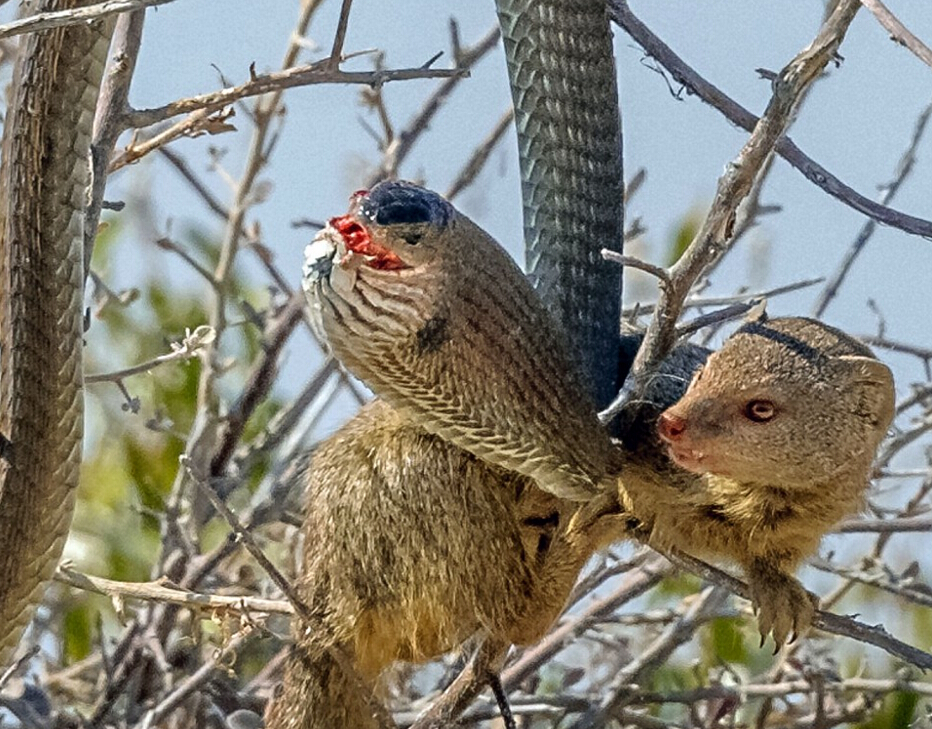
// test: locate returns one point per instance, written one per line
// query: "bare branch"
(316, 73)
(480, 156)
(400, 146)
(86, 14)
(336, 54)
(191, 346)
(108, 120)
(837, 624)
(903, 169)
(717, 228)
(899, 32)
(657, 272)
(164, 590)
(737, 114)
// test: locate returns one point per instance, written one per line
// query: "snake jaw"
(360, 245)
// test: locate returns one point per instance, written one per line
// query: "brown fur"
(411, 546)
(767, 492)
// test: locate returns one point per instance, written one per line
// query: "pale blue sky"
(856, 122)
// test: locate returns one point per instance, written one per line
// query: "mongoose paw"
(602, 521)
(783, 606)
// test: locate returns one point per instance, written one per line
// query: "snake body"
(419, 336)
(562, 73)
(43, 182)
(438, 320)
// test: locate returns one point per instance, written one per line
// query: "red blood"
(357, 240)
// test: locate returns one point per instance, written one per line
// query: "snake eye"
(760, 411)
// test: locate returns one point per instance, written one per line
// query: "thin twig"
(899, 32)
(75, 16)
(903, 169)
(336, 53)
(480, 156)
(316, 73)
(673, 636)
(837, 624)
(166, 591)
(189, 348)
(738, 115)
(400, 146)
(108, 120)
(715, 233)
(657, 272)
(193, 682)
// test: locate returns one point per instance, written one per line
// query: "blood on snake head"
(392, 227)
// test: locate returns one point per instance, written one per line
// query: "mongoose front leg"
(782, 604)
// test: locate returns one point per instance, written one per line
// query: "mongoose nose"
(670, 427)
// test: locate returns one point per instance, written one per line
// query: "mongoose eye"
(412, 239)
(760, 411)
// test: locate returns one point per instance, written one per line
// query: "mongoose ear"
(757, 314)
(876, 382)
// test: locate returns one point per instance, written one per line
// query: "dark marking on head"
(550, 521)
(547, 525)
(794, 344)
(397, 202)
(716, 512)
(6, 449)
(432, 335)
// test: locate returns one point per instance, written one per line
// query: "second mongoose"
(782, 424)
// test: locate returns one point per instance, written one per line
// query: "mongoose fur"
(412, 545)
(781, 424)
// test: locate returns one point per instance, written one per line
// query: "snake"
(430, 312)
(43, 188)
(561, 71)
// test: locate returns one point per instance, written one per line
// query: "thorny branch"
(899, 32)
(735, 113)
(715, 234)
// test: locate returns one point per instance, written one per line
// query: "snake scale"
(43, 182)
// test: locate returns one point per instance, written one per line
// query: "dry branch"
(899, 32)
(86, 14)
(715, 234)
(684, 74)
(167, 592)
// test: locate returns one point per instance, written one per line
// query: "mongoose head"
(789, 402)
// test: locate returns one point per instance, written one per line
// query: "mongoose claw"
(784, 607)
(601, 522)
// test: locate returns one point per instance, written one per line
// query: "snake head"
(392, 227)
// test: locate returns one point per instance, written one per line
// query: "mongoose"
(412, 545)
(782, 423)
(403, 259)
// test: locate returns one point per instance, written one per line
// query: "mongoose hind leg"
(782, 604)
